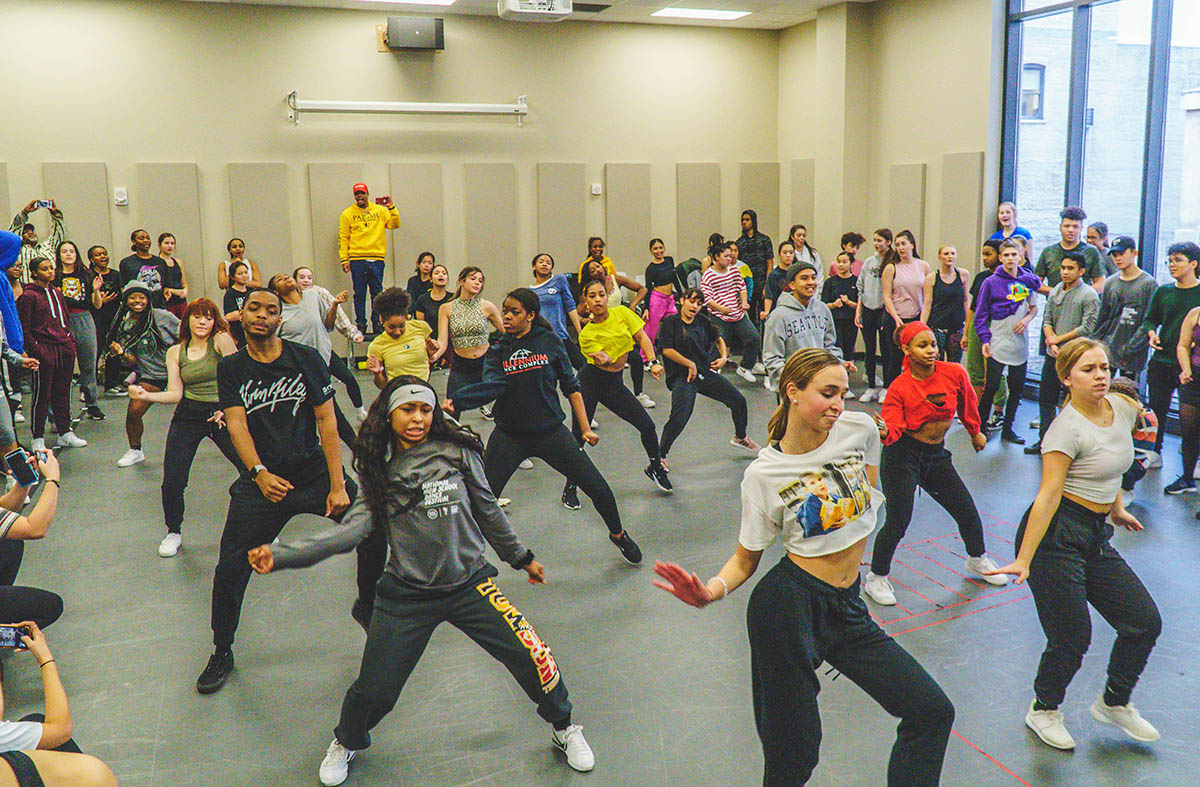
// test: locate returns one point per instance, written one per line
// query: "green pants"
(977, 367)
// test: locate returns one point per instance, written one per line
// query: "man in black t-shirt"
(278, 403)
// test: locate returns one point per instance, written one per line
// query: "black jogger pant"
(1075, 566)
(607, 388)
(847, 337)
(340, 371)
(905, 465)
(554, 446)
(1162, 379)
(683, 400)
(189, 426)
(795, 622)
(401, 626)
(893, 356)
(253, 520)
(873, 339)
(1016, 384)
(1050, 393)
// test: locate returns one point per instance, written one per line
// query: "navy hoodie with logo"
(520, 375)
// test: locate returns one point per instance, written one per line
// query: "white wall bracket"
(295, 106)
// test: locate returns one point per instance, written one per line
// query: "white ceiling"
(765, 14)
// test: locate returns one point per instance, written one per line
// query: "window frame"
(1040, 70)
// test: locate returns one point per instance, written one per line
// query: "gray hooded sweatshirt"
(793, 326)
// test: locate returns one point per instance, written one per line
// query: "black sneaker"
(94, 412)
(116, 390)
(996, 421)
(1036, 448)
(629, 548)
(658, 474)
(1180, 486)
(220, 664)
(1012, 437)
(361, 614)
(570, 497)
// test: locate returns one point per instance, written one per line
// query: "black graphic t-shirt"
(234, 298)
(279, 398)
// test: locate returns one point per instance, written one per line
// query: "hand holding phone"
(45, 203)
(11, 636)
(22, 467)
(385, 201)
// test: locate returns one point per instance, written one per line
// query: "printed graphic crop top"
(469, 327)
(820, 502)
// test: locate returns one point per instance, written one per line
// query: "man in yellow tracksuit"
(362, 247)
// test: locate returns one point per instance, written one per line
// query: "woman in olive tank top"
(192, 382)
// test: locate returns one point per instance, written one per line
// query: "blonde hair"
(1069, 355)
(800, 369)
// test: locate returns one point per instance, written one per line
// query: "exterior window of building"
(1033, 86)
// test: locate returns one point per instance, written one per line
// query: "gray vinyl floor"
(662, 690)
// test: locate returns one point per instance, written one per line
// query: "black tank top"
(948, 312)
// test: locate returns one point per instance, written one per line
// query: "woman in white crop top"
(1063, 549)
(816, 486)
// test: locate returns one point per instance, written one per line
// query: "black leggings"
(1016, 383)
(1162, 379)
(893, 356)
(345, 430)
(1075, 566)
(463, 372)
(608, 389)
(189, 426)
(340, 371)
(505, 450)
(637, 372)
(907, 464)
(683, 400)
(872, 332)
(795, 622)
(19, 603)
(1189, 437)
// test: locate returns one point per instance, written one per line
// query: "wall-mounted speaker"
(415, 34)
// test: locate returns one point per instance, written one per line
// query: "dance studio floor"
(662, 690)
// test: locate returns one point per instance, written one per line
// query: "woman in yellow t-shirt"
(606, 342)
(405, 346)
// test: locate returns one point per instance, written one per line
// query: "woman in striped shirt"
(725, 296)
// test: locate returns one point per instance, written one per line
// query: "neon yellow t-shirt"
(614, 336)
(405, 355)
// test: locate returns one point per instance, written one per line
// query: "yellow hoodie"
(360, 232)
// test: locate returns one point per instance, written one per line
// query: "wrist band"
(524, 561)
(718, 578)
(47, 661)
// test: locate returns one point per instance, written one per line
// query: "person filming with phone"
(362, 247)
(28, 470)
(38, 750)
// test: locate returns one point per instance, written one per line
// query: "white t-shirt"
(1100, 454)
(20, 735)
(821, 501)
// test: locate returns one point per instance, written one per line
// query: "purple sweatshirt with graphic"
(1000, 296)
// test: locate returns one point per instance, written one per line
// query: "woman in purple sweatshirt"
(48, 339)
(1006, 304)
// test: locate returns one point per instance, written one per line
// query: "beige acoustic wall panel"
(962, 205)
(561, 212)
(5, 215)
(490, 214)
(626, 219)
(804, 195)
(328, 195)
(420, 199)
(906, 202)
(258, 212)
(758, 190)
(81, 190)
(698, 207)
(167, 199)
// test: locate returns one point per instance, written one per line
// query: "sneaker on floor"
(645, 401)
(1155, 460)
(1036, 423)
(849, 397)
(1048, 725)
(71, 440)
(880, 394)
(1009, 436)
(336, 765)
(18, 417)
(571, 743)
(94, 412)
(1036, 448)
(170, 544)
(1180, 486)
(361, 614)
(38, 444)
(759, 368)
(747, 443)
(879, 589)
(570, 497)
(629, 548)
(361, 412)
(116, 390)
(868, 395)
(215, 674)
(594, 424)
(658, 474)
(978, 565)
(526, 464)
(1127, 718)
(131, 457)
(746, 375)
(83, 397)
(486, 412)
(995, 422)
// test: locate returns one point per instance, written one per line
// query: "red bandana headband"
(910, 330)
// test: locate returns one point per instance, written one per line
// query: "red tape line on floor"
(991, 759)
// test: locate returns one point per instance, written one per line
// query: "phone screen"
(22, 470)
(43, 203)
(10, 637)
(381, 200)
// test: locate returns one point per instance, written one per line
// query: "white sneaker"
(646, 401)
(595, 424)
(572, 743)
(1127, 718)
(361, 412)
(868, 395)
(1155, 460)
(747, 443)
(882, 392)
(71, 440)
(18, 417)
(767, 383)
(978, 565)
(170, 545)
(526, 464)
(1048, 725)
(759, 368)
(503, 501)
(746, 375)
(38, 444)
(849, 397)
(336, 765)
(879, 589)
(131, 457)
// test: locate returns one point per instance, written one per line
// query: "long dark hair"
(892, 256)
(531, 303)
(376, 445)
(585, 277)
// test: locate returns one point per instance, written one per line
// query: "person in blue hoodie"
(799, 320)
(1007, 301)
(10, 251)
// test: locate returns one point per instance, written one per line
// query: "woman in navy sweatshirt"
(521, 372)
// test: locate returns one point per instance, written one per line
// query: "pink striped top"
(725, 289)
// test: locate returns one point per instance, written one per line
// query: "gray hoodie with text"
(793, 326)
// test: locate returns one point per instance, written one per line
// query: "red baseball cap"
(360, 187)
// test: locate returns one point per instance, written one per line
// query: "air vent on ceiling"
(591, 8)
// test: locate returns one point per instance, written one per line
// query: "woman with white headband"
(423, 482)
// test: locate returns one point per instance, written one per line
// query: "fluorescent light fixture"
(414, 2)
(700, 13)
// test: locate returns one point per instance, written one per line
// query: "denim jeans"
(743, 331)
(365, 275)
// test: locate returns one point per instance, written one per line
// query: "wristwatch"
(254, 471)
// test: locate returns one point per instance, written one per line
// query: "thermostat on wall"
(120, 196)
(597, 189)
